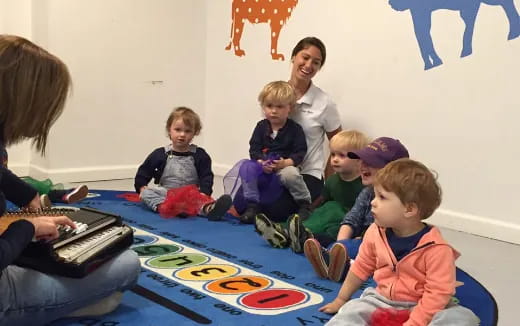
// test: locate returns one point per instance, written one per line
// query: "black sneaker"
(297, 233)
(249, 215)
(271, 232)
(219, 208)
(304, 211)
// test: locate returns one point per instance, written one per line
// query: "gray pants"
(357, 312)
(153, 196)
(292, 179)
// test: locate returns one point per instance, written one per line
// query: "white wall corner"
(478, 225)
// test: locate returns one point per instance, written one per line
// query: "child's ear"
(411, 210)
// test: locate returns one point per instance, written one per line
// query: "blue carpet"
(222, 273)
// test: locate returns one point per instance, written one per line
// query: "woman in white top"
(318, 116)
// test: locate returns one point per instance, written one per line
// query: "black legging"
(285, 205)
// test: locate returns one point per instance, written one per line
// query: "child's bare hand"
(332, 307)
(279, 164)
(268, 168)
(141, 191)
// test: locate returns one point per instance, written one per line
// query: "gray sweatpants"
(153, 196)
(292, 179)
(357, 312)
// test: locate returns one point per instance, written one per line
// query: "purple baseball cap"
(380, 152)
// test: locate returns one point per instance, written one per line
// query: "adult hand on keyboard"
(46, 227)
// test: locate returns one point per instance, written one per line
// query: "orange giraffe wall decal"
(274, 12)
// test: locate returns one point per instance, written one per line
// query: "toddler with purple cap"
(333, 262)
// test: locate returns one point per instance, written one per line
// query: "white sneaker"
(45, 202)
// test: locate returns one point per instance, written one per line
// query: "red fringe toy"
(130, 196)
(389, 317)
(187, 200)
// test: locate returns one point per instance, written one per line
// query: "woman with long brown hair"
(34, 85)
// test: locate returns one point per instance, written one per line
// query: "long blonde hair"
(34, 85)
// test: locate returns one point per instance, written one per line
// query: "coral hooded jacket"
(426, 275)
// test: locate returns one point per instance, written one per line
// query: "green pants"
(43, 187)
(326, 219)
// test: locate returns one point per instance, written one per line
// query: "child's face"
(368, 174)
(276, 113)
(387, 208)
(341, 163)
(181, 135)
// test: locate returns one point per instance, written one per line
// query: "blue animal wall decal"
(421, 11)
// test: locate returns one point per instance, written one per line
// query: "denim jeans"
(31, 298)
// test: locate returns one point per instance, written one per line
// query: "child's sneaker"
(45, 202)
(249, 215)
(339, 262)
(218, 208)
(271, 232)
(305, 210)
(75, 195)
(317, 256)
(297, 233)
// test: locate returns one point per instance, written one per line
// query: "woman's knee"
(126, 267)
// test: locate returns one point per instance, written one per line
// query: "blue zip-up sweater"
(153, 168)
(360, 215)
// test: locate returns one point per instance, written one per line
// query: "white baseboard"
(93, 173)
(478, 225)
(221, 169)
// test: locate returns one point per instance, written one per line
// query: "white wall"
(116, 50)
(458, 118)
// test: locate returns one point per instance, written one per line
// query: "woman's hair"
(34, 85)
(188, 116)
(351, 140)
(277, 92)
(311, 41)
(413, 183)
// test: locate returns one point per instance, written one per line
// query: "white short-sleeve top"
(317, 114)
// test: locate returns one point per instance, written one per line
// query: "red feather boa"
(186, 200)
(389, 317)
